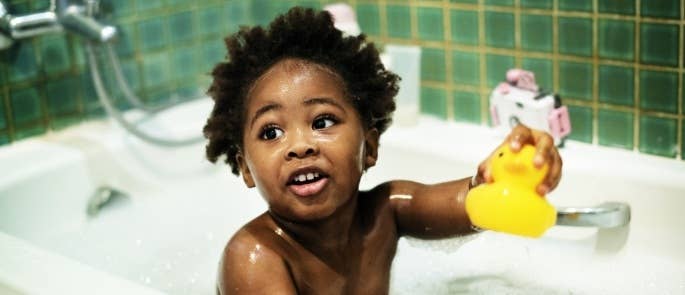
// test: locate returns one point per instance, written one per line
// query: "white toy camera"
(520, 100)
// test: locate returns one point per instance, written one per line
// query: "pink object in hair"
(341, 12)
(344, 18)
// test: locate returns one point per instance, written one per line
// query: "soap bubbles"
(448, 245)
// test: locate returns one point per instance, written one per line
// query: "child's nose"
(302, 146)
(301, 152)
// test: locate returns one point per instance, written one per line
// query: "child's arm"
(249, 267)
(429, 211)
(438, 210)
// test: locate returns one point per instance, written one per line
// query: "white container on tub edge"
(405, 61)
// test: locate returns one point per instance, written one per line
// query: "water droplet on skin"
(279, 231)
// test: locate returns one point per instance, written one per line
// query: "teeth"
(306, 177)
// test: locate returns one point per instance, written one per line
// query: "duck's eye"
(271, 133)
(501, 154)
(323, 122)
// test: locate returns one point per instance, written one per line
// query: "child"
(298, 113)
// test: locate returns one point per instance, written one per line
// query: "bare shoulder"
(393, 189)
(380, 202)
(251, 265)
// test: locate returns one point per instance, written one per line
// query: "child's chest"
(364, 269)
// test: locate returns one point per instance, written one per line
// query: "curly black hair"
(303, 34)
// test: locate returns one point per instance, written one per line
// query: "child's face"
(304, 145)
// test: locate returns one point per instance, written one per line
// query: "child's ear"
(371, 145)
(244, 170)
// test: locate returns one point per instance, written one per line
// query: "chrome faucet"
(62, 15)
(79, 19)
(606, 215)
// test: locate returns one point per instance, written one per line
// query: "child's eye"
(271, 133)
(324, 122)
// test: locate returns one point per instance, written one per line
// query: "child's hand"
(546, 152)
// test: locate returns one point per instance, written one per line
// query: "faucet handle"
(78, 19)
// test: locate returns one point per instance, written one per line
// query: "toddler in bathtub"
(298, 113)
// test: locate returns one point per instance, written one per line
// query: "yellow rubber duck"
(510, 203)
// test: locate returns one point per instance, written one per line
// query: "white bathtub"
(167, 235)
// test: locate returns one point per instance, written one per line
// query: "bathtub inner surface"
(169, 230)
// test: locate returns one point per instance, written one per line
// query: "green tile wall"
(617, 64)
(166, 48)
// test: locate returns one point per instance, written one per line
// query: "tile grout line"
(518, 54)
(39, 88)
(679, 128)
(483, 93)
(138, 55)
(449, 67)
(636, 80)
(555, 46)
(414, 34)
(413, 20)
(384, 18)
(535, 54)
(74, 70)
(6, 99)
(618, 108)
(595, 70)
(566, 13)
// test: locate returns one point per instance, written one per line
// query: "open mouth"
(307, 183)
(305, 178)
